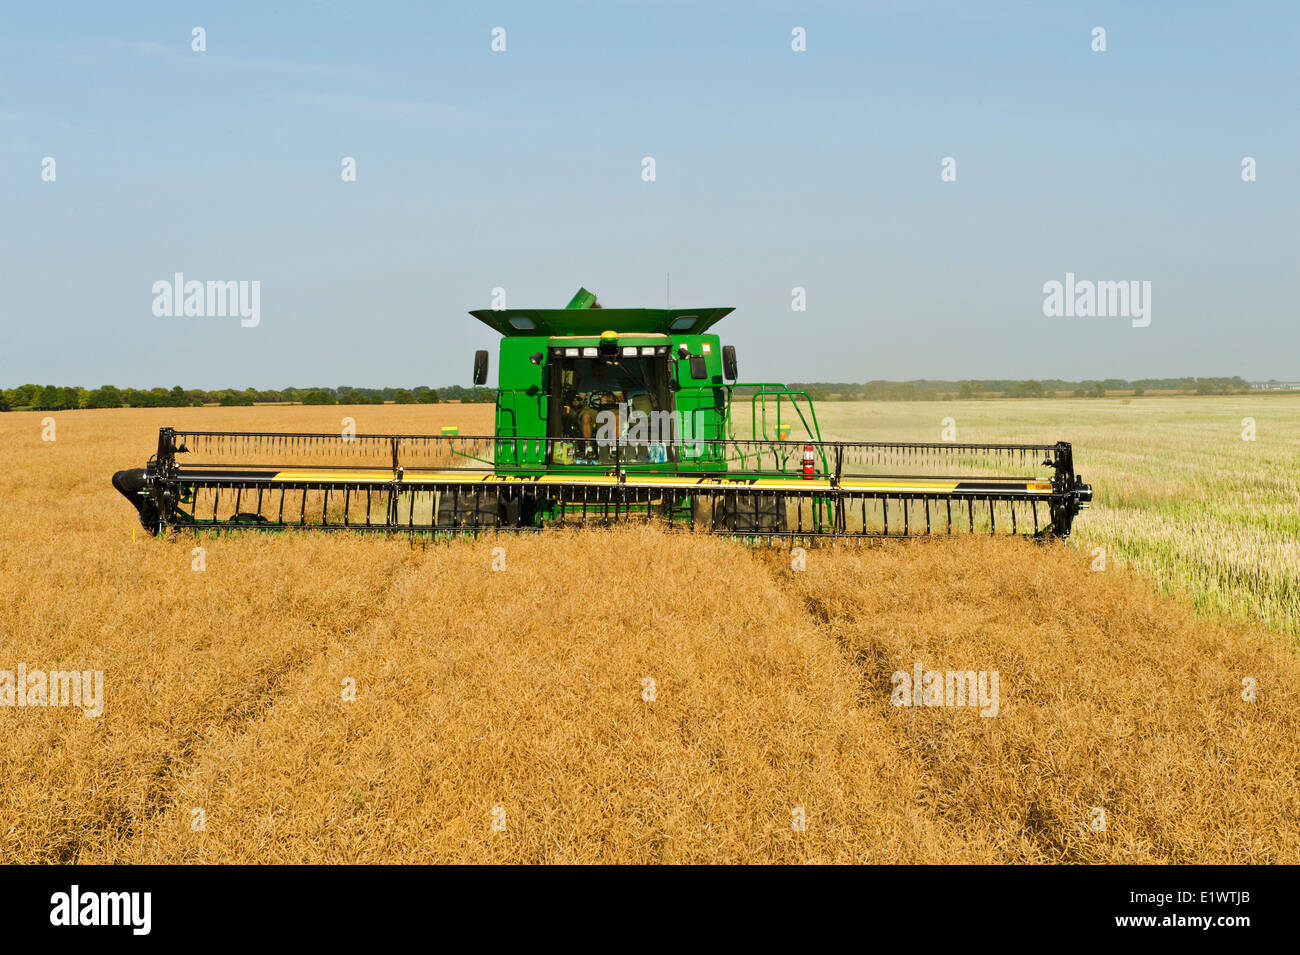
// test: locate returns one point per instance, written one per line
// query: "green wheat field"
(1186, 492)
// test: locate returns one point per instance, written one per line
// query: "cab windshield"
(592, 401)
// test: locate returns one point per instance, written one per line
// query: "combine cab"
(605, 415)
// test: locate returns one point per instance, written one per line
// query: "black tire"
(751, 513)
(518, 509)
(247, 518)
(468, 507)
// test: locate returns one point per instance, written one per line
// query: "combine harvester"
(604, 415)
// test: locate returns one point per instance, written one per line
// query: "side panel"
(521, 404)
(700, 400)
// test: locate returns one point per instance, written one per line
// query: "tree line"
(62, 398)
(937, 390)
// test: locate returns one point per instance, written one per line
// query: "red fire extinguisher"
(808, 462)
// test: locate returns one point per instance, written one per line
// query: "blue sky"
(774, 169)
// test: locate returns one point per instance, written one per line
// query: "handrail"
(765, 389)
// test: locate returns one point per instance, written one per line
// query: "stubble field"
(502, 715)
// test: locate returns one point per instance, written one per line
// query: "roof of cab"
(584, 316)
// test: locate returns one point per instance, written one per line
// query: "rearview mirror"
(480, 367)
(729, 362)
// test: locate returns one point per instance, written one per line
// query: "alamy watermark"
(1088, 299)
(924, 687)
(75, 907)
(650, 433)
(34, 687)
(194, 299)
(640, 428)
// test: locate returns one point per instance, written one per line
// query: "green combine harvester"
(605, 415)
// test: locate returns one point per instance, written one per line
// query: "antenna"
(668, 289)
